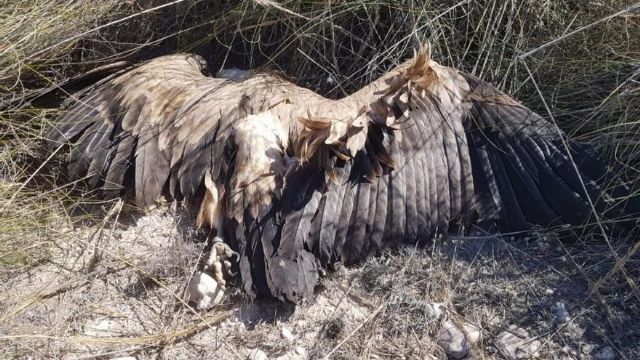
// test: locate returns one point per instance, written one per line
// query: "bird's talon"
(219, 261)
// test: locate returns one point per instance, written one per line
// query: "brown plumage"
(298, 181)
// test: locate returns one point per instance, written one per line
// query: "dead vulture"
(294, 181)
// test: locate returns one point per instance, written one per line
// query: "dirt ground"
(117, 289)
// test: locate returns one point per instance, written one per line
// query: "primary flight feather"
(293, 181)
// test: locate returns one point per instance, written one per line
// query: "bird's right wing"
(151, 129)
(163, 127)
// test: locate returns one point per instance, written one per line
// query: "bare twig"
(631, 9)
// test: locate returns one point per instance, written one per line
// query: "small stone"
(562, 315)
(548, 291)
(286, 334)
(569, 352)
(453, 341)
(516, 343)
(257, 354)
(301, 351)
(606, 353)
(204, 291)
(103, 327)
(124, 358)
(586, 349)
(473, 333)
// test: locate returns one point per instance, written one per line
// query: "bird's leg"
(219, 259)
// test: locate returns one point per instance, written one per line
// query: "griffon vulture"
(294, 181)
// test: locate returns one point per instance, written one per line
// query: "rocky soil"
(117, 289)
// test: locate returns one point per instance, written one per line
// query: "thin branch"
(629, 10)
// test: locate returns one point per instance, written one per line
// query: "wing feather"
(331, 217)
(356, 245)
(411, 149)
(382, 208)
(345, 212)
(114, 183)
(153, 123)
(422, 184)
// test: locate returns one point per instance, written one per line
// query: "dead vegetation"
(84, 278)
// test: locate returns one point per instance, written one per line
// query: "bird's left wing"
(527, 171)
(432, 147)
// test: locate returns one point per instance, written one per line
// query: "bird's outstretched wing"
(433, 147)
(154, 123)
(165, 128)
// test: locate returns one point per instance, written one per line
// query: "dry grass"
(587, 81)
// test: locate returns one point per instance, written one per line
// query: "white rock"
(301, 351)
(286, 334)
(473, 333)
(562, 315)
(516, 343)
(257, 354)
(103, 327)
(292, 355)
(453, 341)
(204, 291)
(606, 353)
(125, 358)
(587, 349)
